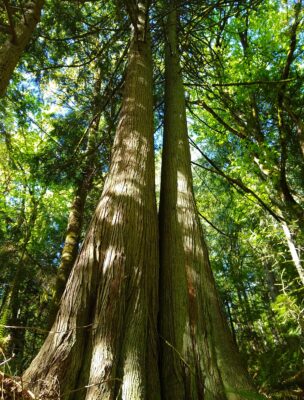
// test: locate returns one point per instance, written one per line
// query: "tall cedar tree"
(112, 288)
(199, 359)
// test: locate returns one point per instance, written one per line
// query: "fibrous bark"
(12, 49)
(113, 285)
(199, 359)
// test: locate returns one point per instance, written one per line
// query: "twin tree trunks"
(105, 342)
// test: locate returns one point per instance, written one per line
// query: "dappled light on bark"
(114, 281)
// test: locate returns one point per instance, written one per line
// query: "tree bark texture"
(12, 49)
(113, 285)
(198, 359)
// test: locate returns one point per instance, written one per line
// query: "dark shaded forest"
(151, 199)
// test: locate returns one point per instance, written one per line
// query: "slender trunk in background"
(293, 251)
(270, 280)
(228, 307)
(114, 282)
(11, 315)
(76, 215)
(291, 209)
(299, 126)
(21, 34)
(199, 359)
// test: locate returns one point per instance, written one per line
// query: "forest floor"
(11, 388)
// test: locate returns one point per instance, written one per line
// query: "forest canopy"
(152, 199)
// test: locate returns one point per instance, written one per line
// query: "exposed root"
(11, 388)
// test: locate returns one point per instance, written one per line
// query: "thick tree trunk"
(113, 285)
(199, 359)
(12, 49)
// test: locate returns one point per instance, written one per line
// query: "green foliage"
(234, 54)
(233, 115)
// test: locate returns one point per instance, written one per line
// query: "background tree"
(262, 133)
(18, 24)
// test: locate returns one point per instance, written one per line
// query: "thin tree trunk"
(270, 281)
(299, 126)
(293, 251)
(230, 318)
(113, 285)
(199, 359)
(12, 49)
(75, 219)
(12, 307)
